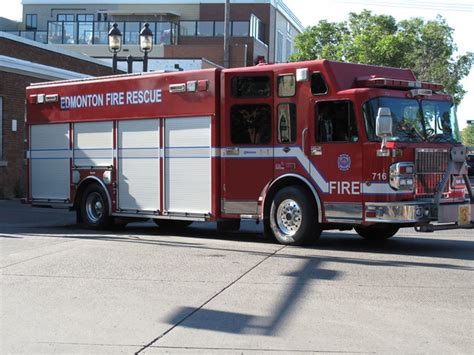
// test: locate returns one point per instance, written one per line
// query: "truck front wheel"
(95, 207)
(293, 217)
(377, 231)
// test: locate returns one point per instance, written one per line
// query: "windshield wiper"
(410, 131)
(442, 138)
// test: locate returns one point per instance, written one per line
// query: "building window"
(251, 124)
(85, 32)
(287, 123)
(187, 28)
(1, 128)
(131, 34)
(279, 49)
(65, 17)
(251, 86)
(219, 29)
(240, 28)
(163, 33)
(288, 48)
(85, 18)
(205, 28)
(335, 122)
(101, 32)
(257, 28)
(31, 22)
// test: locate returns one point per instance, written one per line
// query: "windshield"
(414, 120)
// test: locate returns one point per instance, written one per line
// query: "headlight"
(401, 176)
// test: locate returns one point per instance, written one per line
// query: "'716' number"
(379, 176)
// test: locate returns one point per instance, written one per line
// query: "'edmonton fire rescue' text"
(120, 98)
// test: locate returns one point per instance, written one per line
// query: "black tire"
(94, 208)
(293, 217)
(267, 230)
(377, 231)
(171, 223)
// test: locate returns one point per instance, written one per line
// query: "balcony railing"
(96, 32)
(253, 28)
(61, 32)
(38, 36)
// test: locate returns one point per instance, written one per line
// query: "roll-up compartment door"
(139, 165)
(93, 144)
(49, 162)
(187, 172)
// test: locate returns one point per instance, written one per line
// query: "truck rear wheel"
(293, 217)
(94, 207)
(377, 231)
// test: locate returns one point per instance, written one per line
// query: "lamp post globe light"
(115, 46)
(146, 44)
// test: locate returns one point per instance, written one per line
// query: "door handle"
(303, 140)
(286, 149)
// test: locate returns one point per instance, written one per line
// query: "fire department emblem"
(344, 162)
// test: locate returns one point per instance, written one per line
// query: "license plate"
(464, 215)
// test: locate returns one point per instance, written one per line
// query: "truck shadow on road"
(201, 236)
(409, 245)
(313, 266)
(297, 285)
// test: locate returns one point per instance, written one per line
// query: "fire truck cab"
(302, 147)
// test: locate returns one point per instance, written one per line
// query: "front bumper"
(460, 213)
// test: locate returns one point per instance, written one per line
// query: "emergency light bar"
(43, 98)
(51, 98)
(420, 92)
(190, 86)
(397, 84)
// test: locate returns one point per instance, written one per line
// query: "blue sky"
(458, 13)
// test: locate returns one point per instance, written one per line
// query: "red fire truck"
(302, 147)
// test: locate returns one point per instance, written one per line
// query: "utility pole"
(226, 34)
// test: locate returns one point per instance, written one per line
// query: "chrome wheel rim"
(289, 217)
(94, 207)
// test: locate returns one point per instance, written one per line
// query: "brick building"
(23, 62)
(182, 28)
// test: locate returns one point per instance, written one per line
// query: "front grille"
(430, 166)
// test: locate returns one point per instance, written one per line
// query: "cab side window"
(250, 124)
(318, 84)
(287, 123)
(250, 86)
(335, 122)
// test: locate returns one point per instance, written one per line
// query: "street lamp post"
(115, 46)
(146, 44)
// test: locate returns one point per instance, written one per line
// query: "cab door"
(289, 126)
(336, 160)
(247, 140)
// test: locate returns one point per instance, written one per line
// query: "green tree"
(426, 47)
(467, 136)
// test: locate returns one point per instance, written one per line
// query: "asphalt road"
(65, 289)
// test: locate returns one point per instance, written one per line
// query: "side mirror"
(384, 125)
